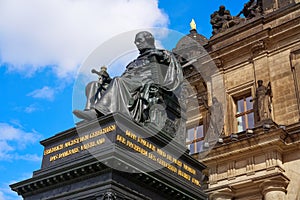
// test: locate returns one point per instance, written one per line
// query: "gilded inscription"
(159, 156)
(89, 139)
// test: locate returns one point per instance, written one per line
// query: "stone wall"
(264, 163)
(261, 50)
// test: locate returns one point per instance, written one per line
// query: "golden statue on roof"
(193, 24)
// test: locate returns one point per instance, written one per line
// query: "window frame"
(196, 139)
(233, 94)
(245, 112)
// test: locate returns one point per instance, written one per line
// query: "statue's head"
(214, 100)
(221, 8)
(259, 82)
(103, 68)
(144, 40)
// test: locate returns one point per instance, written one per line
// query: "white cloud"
(28, 157)
(1, 196)
(31, 108)
(61, 33)
(7, 194)
(43, 93)
(13, 139)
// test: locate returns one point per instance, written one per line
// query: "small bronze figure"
(95, 89)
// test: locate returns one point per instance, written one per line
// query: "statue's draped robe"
(124, 93)
(93, 92)
(262, 104)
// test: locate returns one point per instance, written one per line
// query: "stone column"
(221, 195)
(274, 190)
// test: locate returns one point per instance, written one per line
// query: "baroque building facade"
(243, 122)
(257, 153)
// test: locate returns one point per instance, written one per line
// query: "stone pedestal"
(114, 158)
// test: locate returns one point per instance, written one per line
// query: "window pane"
(241, 123)
(190, 135)
(249, 104)
(251, 120)
(200, 131)
(240, 106)
(196, 146)
(199, 146)
(192, 148)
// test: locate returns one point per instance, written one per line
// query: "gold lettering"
(71, 142)
(68, 152)
(78, 140)
(130, 134)
(136, 148)
(103, 131)
(146, 144)
(121, 139)
(53, 149)
(151, 156)
(184, 175)
(83, 138)
(53, 158)
(161, 152)
(172, 168)
(189, 169)
(100, 141)
(160, 157)
(88, 145)
(196, 182)
(177, 162)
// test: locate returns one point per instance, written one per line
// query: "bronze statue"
(262, 104)
(149, 83)
(95, 89)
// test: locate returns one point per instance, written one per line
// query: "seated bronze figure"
(147, 92)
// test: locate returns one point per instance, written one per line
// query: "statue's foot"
(87, 115)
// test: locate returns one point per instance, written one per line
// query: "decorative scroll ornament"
(109, 196)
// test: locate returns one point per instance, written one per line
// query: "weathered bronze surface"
(148, 91)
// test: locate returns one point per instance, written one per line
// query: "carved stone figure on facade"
(95, 89)
(150, 84)
(251, 9)
(262, 103)
(222, 19)
(216, 121)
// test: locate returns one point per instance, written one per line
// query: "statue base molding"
(114, 158)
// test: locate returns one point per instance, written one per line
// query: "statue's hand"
(94, 71)
(160, 56)
(157, 53)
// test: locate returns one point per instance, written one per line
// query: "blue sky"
(42, 46)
